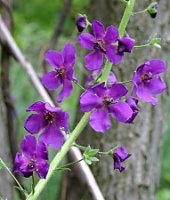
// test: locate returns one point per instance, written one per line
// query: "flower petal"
(111, 35)
(54, 58)
(121, 111)
(94, 60)
(52, 109)
(157, 66)
(61, 120)
(52, 136)
(112, 55)
(99, 120)
(117, 163)
(21, 163)
(143, 93)
(38, 107)
(28, 145)
(117, 91)
(88, 101)
(122, 152)
(42, 168)
(69, 53)
(41, 151)
(86, 40)
(51, 81)
(66, 91)
(155, 86)
(98, 29)
(34, 123)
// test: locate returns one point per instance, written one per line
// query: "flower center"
(31, 164)
(99, 45)
(61, 72)
(146, 77)
(107, 101)
(49, 117)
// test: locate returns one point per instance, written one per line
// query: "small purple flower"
(125, 44)
(133, 103)
(147, 81)
(48, 119)
(81, 23)
(104, 100)
(120, 155)
(101, 44)
(63, 63)
(32, 159)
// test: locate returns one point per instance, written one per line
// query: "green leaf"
(89, 155)
(155, 42)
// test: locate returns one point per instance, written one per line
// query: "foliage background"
(34, 22)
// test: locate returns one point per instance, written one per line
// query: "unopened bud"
(81, 23)
(153, 9)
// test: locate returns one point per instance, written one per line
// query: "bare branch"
(6, 37)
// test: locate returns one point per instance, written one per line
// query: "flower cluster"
(104, 100)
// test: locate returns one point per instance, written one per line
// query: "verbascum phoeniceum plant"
(103, 98)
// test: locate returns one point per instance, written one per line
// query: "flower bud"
(81, 23)
(153, 9)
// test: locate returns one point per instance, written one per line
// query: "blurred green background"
(34, 23)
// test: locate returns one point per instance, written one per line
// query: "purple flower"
(48, 119)
(104, 100)
(101, 44)
(63, 63)
(133, 103)
(125, 44)
(91, 79)
(32, 159)
(81, 23)
(120, 155)
(147, 81)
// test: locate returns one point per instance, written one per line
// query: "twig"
(6, 37)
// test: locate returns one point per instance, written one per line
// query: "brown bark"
(144, 138)
(7, 141)
(5, 179)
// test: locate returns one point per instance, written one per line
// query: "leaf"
(155, 42)
(90, 155)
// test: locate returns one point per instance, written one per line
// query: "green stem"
(80, 126)
(122, 27)
(106, 71)
(33, 184)
(70, 164)
(143, 45)
(60, 155)
(126, 16)
(80, 86)
(9, 171)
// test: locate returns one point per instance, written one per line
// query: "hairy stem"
(80, 126)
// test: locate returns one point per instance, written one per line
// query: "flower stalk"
(81, 125)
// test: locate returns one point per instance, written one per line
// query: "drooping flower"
(63, 63)
(147, 81)
(104, 100)
(153, 9)
(133, 103)
(125, 44)
(81, 23)
(101, 44)
(120, 155)
(50, 121)
(32, 159)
